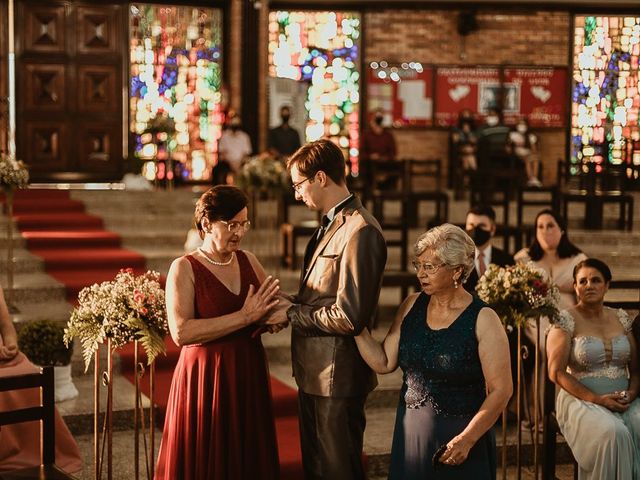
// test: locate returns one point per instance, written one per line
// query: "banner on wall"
(539, 94)
(405, 95)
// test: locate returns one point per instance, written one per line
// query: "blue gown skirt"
(421, 431)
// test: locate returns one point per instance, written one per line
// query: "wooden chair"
(595, 189)
(418, 174)
(530, 196)
(46, 414)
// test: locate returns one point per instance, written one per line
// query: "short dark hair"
(319, 155)
(222, 202)
(485, 210)
(599, 265)
(566, 249)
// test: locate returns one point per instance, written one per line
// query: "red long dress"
(219, 422)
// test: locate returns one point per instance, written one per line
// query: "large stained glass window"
(175, 89)
(322, 49)
(606, 101)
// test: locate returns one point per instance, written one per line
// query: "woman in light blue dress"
(594, 359)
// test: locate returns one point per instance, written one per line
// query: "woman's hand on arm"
(558, 351)
(493, 350)
(383, 358)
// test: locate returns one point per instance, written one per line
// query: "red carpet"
(75, 248)
(78, 252)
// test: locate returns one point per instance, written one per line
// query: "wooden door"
(69, 84)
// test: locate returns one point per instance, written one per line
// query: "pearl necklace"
(214, 262)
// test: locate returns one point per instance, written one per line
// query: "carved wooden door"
(69, 85)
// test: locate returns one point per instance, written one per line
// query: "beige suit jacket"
(338, 297)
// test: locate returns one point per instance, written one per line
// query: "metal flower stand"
(147, 429)
(103, 435)
(521, 402)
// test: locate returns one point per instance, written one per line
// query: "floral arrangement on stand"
(13, 176)
(263, 174)
(518, 292)
(13, 173)
(130, 307)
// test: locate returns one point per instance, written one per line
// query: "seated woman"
(19, 445)
(593, 358)
(454, 355)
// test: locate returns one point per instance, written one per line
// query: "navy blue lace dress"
(443, 388)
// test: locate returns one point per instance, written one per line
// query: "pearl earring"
(455, 283)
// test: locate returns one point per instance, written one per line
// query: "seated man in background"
(481, 227)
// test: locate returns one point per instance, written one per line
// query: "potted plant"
(42, 341)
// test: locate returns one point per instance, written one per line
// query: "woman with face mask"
(552, 252)
(524, 145)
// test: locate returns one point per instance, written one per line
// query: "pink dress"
(19, 445)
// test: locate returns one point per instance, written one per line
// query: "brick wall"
(430, 37)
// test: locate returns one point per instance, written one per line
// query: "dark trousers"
(331, 434)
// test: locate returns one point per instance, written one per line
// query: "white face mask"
(521, 128)
(492, 121)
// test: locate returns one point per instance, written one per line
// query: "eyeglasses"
(233, 227)
(296, 186)
(430, 268)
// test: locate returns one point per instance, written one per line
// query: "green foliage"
(130, 307)
(43, 343)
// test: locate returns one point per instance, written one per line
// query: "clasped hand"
(8, 352)
(616, 401)
(259, 302)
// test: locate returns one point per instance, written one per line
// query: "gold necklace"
(214, 262)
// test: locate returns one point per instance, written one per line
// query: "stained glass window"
(606, 101)
(175, 89)
(322, 48)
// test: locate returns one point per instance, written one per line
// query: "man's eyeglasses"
(233, 227)
(296, 186)
(430, 268)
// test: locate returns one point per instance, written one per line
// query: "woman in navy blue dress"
(454, 355)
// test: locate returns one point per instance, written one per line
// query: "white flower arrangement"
(13, 173)
(128, 308)
(519, 292)
(263, 173)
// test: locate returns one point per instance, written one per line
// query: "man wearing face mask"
(377, 144)
(481, 227)
(284, 139)
(233, 147)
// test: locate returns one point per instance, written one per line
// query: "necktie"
(315, 240)
(482, 267)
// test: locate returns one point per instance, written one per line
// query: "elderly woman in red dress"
(219, 422)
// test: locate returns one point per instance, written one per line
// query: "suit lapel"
(333, 228)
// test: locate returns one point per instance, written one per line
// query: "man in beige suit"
(339, 289)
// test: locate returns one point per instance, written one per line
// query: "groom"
(339, 289)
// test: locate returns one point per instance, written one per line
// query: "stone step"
(35, 288)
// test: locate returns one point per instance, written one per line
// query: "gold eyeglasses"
(233, 227)
(430, 268)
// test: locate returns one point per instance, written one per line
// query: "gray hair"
(451, 245)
